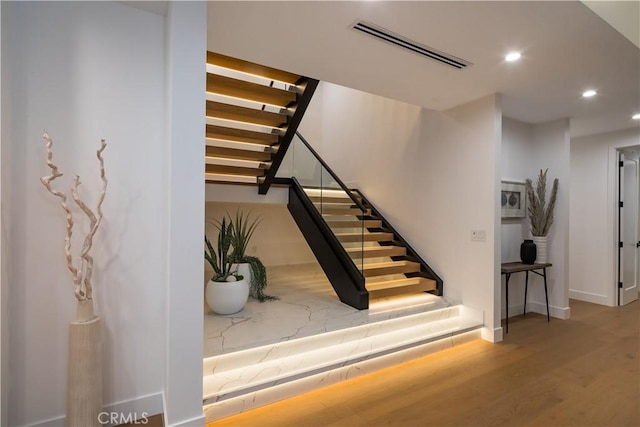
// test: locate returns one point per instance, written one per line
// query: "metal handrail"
(333, 175)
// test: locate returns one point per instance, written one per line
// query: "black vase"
(528, 252)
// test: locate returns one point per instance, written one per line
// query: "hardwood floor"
(579, 372)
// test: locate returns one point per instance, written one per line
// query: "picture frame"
(513, 199)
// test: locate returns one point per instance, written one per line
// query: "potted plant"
(249, 266)
(541, 214)
(227, 291)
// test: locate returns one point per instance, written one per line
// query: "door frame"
(613, 222)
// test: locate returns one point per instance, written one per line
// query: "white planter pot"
(227, 297)
(244, 269)
(541, 249)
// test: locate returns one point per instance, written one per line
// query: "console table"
(509, 268)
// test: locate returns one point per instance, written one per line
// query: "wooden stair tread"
(331, 199)
(400, 287)
(400, 283)
(333, 209)
(343, 223)
(378, 236)
(237, 154)
(392, 267)
(376, 251)
(255, 116)
(251, 68)
(342, 205)
(230, 179)
(241, 146)
(227, 86)
(240, 135)
(233, 170)
(242, 163)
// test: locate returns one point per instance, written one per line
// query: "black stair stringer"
(344, 276)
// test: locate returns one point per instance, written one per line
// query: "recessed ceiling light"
(589, 93)
(636, 116)
(512, 56)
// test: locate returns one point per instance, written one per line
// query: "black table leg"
(546, 296)
(526, 287)
(506, 289)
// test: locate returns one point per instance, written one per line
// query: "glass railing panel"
(329, 197)
(306, 168)
(343, 216)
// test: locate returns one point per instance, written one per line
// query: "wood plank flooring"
(579, 372)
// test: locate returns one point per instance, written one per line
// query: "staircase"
(363, 256)
(389, 269)
(252, 113)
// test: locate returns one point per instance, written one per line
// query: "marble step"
(237, 381)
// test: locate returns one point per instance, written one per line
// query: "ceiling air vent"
(411, 45)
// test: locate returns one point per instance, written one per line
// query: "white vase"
(84, 374)
(227, 297)
(541, 249)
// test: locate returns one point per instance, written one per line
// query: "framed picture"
(513, 199)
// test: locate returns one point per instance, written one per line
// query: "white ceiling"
(566, 48)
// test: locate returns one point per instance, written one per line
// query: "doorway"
(628, 224)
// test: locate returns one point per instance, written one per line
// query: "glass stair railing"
(375, 261)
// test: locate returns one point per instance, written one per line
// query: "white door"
(629, 222)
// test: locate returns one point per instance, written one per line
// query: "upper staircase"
(252, 114)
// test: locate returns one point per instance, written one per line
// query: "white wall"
(594, 215)
(4, 172)
(86, 71)
(551, 141)
(516, 165)
(277, 239)
(526, 149)
(433, 175)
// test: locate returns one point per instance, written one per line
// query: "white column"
(186, 74)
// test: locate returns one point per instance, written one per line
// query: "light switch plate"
(478, 235)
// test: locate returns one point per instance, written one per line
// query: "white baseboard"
(562, 313)
(125, 411)
(590, 297)
(193, 422)
(514, 310)
(492, 335)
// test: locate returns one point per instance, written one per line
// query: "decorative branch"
(541, 215)
(81, 276)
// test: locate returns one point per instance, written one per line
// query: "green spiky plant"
(242, 231)
(222, 262)
(541, 214)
